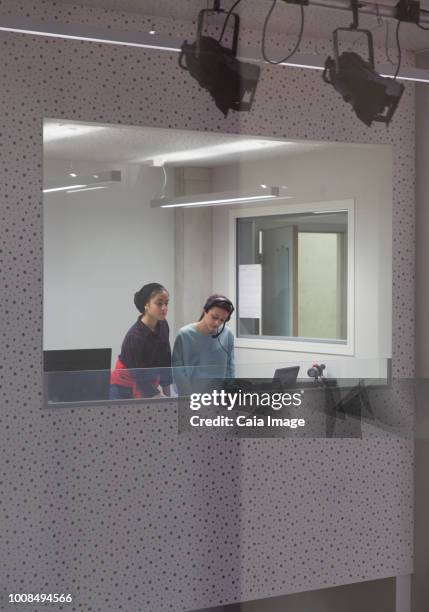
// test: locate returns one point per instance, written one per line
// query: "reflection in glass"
(297, 265)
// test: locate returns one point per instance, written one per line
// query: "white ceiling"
(73, 141)
(319, 22)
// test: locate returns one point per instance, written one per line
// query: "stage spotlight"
(231, 83)
(373, 97)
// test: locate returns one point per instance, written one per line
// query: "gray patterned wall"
(108, 503)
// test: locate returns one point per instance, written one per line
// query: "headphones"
(221, 301)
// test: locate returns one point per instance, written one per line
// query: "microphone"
(219, 332)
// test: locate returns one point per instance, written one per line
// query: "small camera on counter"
(316, 371)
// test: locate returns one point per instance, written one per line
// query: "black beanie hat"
(142, 297)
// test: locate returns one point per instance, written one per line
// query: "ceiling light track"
(158, 42)
(368, 8)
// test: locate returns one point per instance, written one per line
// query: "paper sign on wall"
(250, 291)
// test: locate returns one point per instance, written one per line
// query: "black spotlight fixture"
(231, 83)
(373, 97)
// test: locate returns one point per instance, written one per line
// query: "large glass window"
(298, 235)
(292, 276)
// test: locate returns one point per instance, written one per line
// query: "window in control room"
(298, 265)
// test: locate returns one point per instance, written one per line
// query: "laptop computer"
(283, 378)
(286, 377)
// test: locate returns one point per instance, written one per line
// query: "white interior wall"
(100, 247)
(362, 173)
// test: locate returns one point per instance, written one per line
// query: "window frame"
(299, 345)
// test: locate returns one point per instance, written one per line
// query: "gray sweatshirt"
(198, 358)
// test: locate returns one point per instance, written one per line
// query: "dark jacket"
(144, 348)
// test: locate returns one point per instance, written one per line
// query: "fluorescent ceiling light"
(326, 212)
(221, 198)
(111, 176)
(64, 188)
(86, 189)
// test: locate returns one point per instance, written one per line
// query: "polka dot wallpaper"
(109, 503)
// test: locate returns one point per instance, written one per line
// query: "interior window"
(292, 276)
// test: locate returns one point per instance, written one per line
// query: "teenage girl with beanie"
(143, 366)
(205, 343)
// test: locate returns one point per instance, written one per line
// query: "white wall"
(99, 248)
(362, 173)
